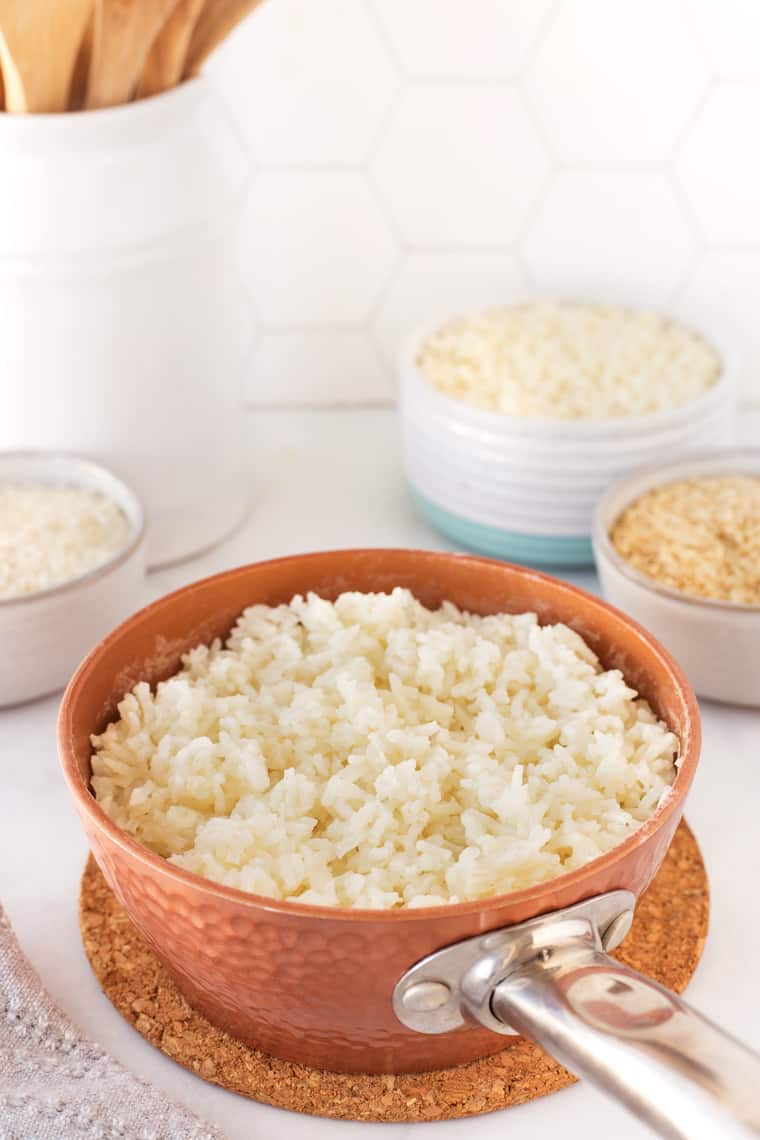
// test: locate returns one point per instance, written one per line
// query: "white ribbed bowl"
(717, 643)
(526, 488)
(45, 635)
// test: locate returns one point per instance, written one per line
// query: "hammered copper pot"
(315, 984)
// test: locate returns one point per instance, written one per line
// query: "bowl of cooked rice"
(303, 776)
(516, 418)
(677, 546)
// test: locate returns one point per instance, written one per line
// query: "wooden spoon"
(39, 43)
(166, 59)
(217, 19)
(82, 67)
(124, 32)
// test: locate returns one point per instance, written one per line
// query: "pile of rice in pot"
(373, 753)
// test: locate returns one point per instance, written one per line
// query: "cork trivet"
(665, 942)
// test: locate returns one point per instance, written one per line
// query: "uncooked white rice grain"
(53, 534)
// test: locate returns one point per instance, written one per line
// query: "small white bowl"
(524, 488)
(717, 643)
(45, 635)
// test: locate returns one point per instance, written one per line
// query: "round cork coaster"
(665, 942)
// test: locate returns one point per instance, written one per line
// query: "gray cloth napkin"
(57, 1085)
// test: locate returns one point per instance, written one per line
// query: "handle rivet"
(425, 996)
(617, 930)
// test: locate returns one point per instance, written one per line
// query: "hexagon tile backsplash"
(416, 156)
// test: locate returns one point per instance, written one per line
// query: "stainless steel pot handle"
(551, 980)
(636, 1040)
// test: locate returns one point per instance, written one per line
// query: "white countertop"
(325, 480)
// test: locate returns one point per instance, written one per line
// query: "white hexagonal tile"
(316, 367)
(719, 165)
(450, 39)
(730, 33)
(315, 248)
(722, 299)
(610, 235)
(460, 165)
(308, 82)
(432, 284)
(616, 80)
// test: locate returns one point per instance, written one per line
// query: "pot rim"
(581, 878)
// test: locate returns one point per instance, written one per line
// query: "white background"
(412, 155)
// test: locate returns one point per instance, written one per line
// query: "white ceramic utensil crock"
(45, 635)
(123, 322)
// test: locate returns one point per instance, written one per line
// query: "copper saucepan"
(400, 991)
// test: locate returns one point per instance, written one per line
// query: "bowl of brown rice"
(678, 547)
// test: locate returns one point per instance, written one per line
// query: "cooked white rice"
(568, 361)
(374, 753)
